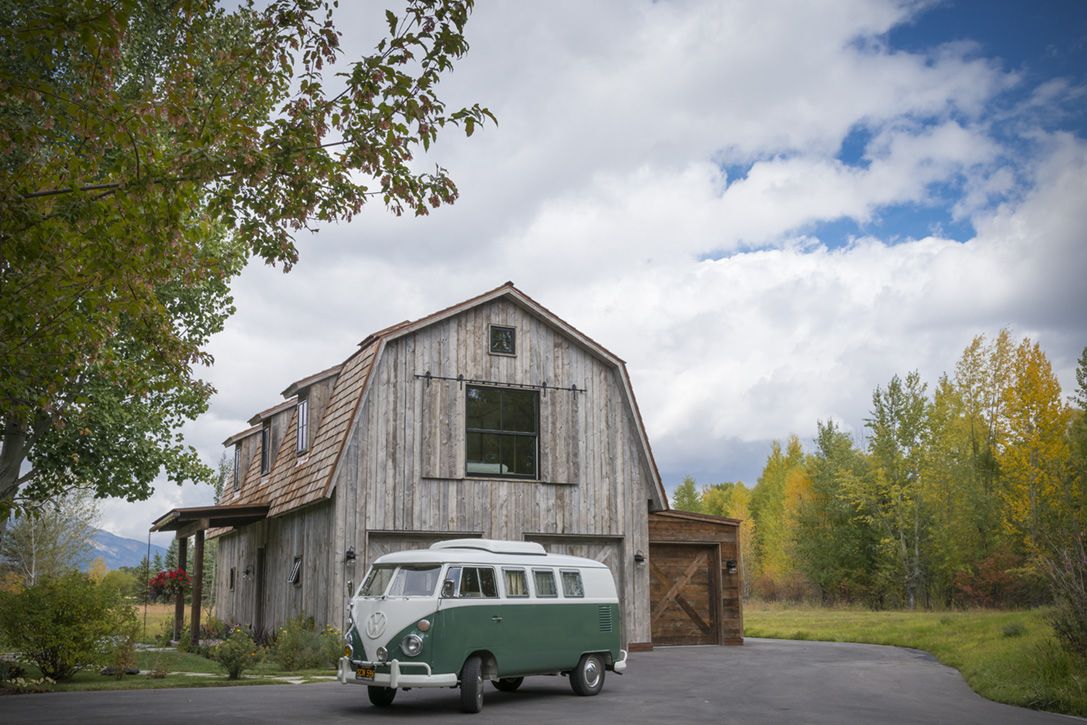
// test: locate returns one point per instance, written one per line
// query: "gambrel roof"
(296, 481)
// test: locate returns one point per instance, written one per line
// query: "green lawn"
(1007, 656)
(174, 662)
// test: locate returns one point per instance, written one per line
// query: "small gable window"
(303, 426)
(237, 466)
(295, 575)
(503, 340)
(266, 447)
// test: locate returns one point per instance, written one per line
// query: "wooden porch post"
(179, 605)
(197, 587)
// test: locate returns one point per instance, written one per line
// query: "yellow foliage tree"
(1035, 449)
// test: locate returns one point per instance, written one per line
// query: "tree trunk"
(12, 455)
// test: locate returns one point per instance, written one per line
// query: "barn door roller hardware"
(461, 380)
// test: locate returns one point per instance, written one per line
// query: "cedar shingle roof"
(297, 481)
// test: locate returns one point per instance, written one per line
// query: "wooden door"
(683, 594)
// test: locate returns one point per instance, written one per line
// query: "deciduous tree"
(148, 148)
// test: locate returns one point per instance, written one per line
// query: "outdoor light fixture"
(349, 557)
(247, 574)
(730, 566)
(639, 557)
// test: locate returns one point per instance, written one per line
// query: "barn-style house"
(492, 418)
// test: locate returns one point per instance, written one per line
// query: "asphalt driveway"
(765, 681)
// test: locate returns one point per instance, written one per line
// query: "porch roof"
(205, 517)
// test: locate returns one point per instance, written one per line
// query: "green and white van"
(469, 610)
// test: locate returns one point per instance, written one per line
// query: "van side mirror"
(447, 588)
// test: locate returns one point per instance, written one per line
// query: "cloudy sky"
(766, 208)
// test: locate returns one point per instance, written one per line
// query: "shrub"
(299, 645)
(43, 684)
(10, 671)
(158, 667)
(63, 624)
(1066, 571)
(237, 653)
(122, 650)
(1015, 629)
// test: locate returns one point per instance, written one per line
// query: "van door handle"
(496, 618)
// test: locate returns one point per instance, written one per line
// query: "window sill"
(498, 479)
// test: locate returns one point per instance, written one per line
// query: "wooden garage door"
(682, 602)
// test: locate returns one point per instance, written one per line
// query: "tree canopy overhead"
(148, 149)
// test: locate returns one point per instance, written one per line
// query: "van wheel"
(471, 685)
(588, 677)
(381, 696)
(508, 684)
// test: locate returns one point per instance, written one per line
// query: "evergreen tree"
(687, 497)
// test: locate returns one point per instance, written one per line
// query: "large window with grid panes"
(502, 432)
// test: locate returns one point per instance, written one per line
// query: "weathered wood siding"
(403, 469)
(305, 533)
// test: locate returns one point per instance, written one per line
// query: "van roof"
(477, 555)
(495, 546)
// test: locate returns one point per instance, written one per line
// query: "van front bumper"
(400, 674)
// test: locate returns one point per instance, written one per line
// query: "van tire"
(471, 685)
(508, 684)
(381, 696)
(588, 677)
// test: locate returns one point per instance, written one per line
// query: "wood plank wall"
(404, 466)
(305, 533)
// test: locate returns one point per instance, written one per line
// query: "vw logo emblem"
(375, 625)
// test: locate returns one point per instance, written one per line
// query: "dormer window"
(503, 340)
(303, 426)
(266, 447)
(237, 466)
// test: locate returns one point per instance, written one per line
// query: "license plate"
(364, 673)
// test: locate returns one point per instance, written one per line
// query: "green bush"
(237, 653)
(64, 624)
(122, 649)
(300, 646)
(1015, 629)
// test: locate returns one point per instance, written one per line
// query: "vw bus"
(469, 610)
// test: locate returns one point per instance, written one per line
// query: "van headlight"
(412, 645)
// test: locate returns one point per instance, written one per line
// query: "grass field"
(157, 616)
(1005, 656)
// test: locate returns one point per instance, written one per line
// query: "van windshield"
(376, 581)
(415, 581)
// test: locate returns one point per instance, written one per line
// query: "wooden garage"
(695, 580)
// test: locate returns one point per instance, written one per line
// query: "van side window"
(478, 583)
(516, 582)
(545, 583)
(571, 584)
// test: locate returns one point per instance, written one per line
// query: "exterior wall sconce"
(639, 557)
(730, 566)
(349, 557)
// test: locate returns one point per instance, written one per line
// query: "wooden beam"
(179, 604)
(190, 529)
(197, 588)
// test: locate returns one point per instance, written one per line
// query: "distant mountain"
(118, 551)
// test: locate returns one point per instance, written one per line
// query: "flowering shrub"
(237, 653)
(23, 685)
(169, 583)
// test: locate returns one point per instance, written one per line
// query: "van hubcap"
(592, 672)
